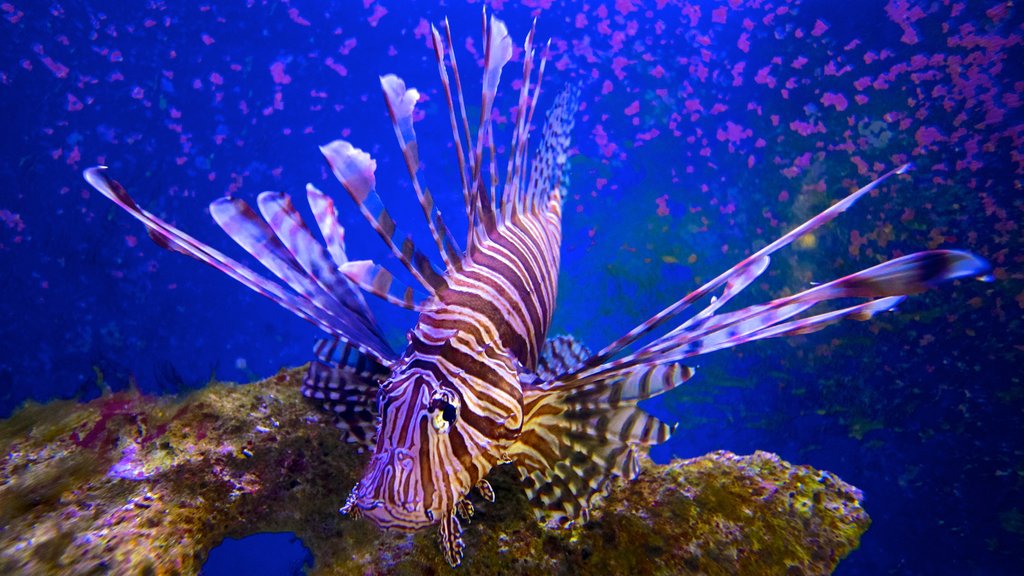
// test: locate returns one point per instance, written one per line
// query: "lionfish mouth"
(394, 519)
(398, 515)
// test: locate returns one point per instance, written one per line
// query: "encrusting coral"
(131, 484)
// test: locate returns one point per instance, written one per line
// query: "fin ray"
(359, 332)
(355, 168)
(346, 384)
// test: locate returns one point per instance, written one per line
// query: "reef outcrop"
(132, 484)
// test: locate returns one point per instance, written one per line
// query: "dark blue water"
(707, 130)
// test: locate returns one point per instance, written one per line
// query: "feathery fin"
(577, 439)
(722, 279)
(401, 103)
(346, 384)
(358, 329)
(355, 169)
(379, 281)
(548, 172)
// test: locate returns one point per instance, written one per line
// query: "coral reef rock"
(131, 484)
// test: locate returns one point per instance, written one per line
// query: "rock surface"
(129, 484)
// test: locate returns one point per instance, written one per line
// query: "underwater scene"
(737, 290)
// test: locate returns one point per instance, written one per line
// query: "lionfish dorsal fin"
(548, 173)
(355, 169)
(401, 103)
(511, 198)
(346, 383)
(559, 355)
(483, 200)
(465, 166)
(579, 436)
(346, 317)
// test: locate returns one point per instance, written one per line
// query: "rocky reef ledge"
(132, 484)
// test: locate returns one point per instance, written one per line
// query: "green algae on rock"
(129, 484)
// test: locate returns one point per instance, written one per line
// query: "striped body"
(475, 340)
(479, 383)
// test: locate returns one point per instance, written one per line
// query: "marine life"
(480, 383)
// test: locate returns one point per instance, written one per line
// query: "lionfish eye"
(448, 413)
(444, 409)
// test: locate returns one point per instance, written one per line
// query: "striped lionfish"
(479, 384)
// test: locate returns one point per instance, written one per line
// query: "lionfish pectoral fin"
(335, 308)
(450, 536)
(346, 384)
(380, 282)
(583, 431)
(733, 279)
(707, 330)
(355, 169)
(885, 285)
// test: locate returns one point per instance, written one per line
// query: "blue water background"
(922, 409)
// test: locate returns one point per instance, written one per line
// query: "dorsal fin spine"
(521, 132)
(471, 184)
(439, 51)
(401, 103)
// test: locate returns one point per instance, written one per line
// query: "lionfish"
(479, 384)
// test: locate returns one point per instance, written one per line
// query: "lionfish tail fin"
(580, 434)
(320, 296)
(548, 173)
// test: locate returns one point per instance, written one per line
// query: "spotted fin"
(559, 355)
(345, 383)
(450, 537)
(548, 173)
(579, 436)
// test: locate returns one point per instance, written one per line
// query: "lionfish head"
(413, 476)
